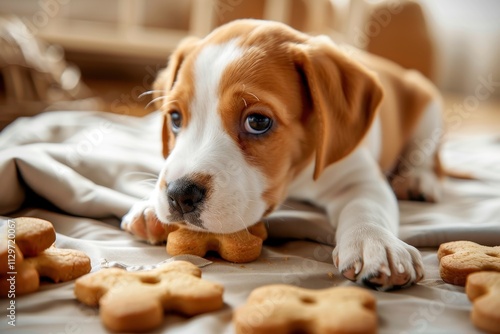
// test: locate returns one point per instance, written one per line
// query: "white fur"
(417, 162)
(428, 134)
(204, 147)
(354, 193)
(373, 140)
(362, 207)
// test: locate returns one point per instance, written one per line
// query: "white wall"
(467, 34)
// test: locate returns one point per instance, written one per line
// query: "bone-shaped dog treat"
(33, 235)
(288, 309)
(483, 289)
(136, 301)
(60, 265)
(458, 259)
(26, 255)
(239, 247)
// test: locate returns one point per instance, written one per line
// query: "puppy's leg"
(418, 171)
(142, 222)
(365, 211)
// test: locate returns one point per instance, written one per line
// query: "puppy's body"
(257, 112)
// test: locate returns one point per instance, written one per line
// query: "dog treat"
(26, 280)
(27, 254)
(34, 235)
(60, 265)
(15, 258)
(458, 259)
(239, 247)
(483, 289)
(136, 301)
(289, 309)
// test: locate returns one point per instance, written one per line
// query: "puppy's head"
(246, 109)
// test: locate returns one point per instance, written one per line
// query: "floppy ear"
(165, 81)
(344, 97)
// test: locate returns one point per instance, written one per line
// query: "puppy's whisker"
(285, 206)
(254, 96)
(141, 174)
(147, 186)
(149, 92)
(156, 99)
(152, 181)
(167, 103)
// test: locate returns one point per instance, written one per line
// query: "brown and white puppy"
(257, 112)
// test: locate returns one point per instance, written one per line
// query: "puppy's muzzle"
(185, 196)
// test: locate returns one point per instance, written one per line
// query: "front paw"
(142, 222)
(374, 257)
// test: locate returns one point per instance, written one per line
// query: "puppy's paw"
(376, 258)
(142, 222)
(417, 185)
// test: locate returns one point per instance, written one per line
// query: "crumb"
(330, 274)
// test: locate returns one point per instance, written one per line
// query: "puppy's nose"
(185, 196)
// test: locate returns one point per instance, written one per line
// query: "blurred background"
(93, 54)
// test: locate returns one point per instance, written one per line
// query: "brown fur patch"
(320, 99)
(265, 81)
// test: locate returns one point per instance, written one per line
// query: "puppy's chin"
(228, 223)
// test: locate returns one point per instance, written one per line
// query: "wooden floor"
(122, 96)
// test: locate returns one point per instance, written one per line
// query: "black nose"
(184, 196)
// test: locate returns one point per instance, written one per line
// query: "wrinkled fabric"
(84, 170)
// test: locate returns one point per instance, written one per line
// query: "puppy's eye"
(257, 124)
(176, 121)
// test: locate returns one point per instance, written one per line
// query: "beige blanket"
(83, 170)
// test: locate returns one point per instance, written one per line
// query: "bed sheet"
(83, 171)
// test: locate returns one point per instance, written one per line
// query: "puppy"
(257, 112)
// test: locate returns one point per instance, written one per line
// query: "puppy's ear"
(344, 97)
(165, 81)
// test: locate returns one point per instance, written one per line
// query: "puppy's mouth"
(191, 218)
